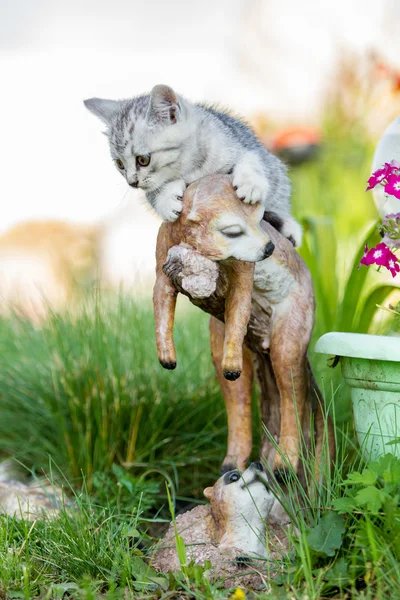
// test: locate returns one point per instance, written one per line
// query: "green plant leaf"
(367, 477)
(181, 550)
(318, 248)
(393, 442)
(387, 467)
(141, 569)
(370, 305)
(338, 574)
(344, 505)
(161, 582)
(179, 541)
(354, 284)
(391, 475)
(372, 498)
(326, 537)
(62, 590)
(379, 466)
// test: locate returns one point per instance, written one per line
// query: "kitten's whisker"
(154, 188)
(121, 203)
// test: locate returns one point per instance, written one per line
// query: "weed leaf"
(344, 505)
(326, 537)
(367, 477)
(372, 498)
(338, 574)
(385, 462)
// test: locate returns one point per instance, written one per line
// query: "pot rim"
(359, 345)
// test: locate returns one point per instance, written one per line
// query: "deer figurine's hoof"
(232, 375)
(170, 365)
(283, 475)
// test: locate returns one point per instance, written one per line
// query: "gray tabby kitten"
(161, 143)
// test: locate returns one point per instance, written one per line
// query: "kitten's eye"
(120, 164)
(234, 477)
(232, 232)
(143, 160)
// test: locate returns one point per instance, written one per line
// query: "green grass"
(93, 548)
(85, 395)
(89, 392)
(347, 545)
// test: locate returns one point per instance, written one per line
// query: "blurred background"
(280, 64)
(319, 80)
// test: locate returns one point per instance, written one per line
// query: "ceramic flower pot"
(371, 367)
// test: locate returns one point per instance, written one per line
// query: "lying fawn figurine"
(230, 531)
(216, 224)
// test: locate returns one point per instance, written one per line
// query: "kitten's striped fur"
(186, 141)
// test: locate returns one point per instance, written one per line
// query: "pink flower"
(393, 185)
(391, 167)
(375, 256)
(382, 256)
(376, 178)
(393, 266)
(381, 175)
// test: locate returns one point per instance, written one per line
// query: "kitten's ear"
(104, 109)
(164, 105)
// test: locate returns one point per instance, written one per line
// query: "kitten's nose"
(134, 183)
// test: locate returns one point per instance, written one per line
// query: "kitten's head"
(147, 135)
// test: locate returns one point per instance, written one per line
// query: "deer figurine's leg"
(292, 384)
(237, 315)
(290, 336)
(237, 396)
(164, 302)
(270, 405)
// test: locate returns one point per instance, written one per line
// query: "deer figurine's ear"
(194, 216)
(164, 105)
(208, 492)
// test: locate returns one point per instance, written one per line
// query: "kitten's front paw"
(169, 201)
(251, 187)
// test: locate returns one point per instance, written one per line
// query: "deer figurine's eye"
(234, 231)
(120, 164)
(143, 160)
(234, 477)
